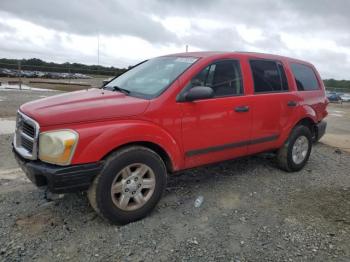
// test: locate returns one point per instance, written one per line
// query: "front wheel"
(129, 186)
(294, 154)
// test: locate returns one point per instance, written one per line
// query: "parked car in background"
(345, 97)
(27, 73)
(82, 76)
(7, 72)
(165, 115)
(3, 72)
(33, 74)
(334, 97)
(39, 74)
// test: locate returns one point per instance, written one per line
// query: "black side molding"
(230, 146)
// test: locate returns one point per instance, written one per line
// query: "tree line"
(35, 64)
(337, 84)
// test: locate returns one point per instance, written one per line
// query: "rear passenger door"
(273, 105)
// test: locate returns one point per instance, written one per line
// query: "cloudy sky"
(130, 31)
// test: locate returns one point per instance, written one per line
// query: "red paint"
(107, 120)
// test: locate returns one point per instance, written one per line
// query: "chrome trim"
(17, 140)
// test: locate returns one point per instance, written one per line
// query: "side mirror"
(198, 92)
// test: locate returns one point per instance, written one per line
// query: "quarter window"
(224, 77)
(305, 77)
(268, 76)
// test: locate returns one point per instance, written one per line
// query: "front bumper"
(59, 179)
(320, 129)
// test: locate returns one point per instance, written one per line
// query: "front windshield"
(152, 77)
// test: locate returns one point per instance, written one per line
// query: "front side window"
(224, 77)
(268, 76)
(305, 77)
(151, 78)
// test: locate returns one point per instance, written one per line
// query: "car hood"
(83, 106)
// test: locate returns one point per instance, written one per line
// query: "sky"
(130, 31)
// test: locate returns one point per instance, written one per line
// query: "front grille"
(28, 129)
(26, 136)
(27, 144)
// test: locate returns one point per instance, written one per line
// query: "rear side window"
(269, 76)
(224, 77)
(305, 77)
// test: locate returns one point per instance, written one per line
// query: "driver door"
(218, 128)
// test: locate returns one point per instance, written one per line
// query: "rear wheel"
(129, 186)
(294, 154)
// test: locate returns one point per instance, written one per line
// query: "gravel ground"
(252, 211)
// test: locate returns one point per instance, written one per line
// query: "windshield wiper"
(117, 88)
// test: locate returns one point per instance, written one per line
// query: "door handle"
(291, 103)
(241, 109)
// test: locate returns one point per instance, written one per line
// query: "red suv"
(168, 114)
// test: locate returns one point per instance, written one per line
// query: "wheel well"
(308, 122)
(156, 148)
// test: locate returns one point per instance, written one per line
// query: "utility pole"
(19, 75)
(98, 49)
(98, 52)
(186, 48)
(69, 73)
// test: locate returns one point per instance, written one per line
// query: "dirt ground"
(338, 130)
(68, 84)
(252, 211)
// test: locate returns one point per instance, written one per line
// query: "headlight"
(57, 147)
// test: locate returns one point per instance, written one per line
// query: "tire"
(292, 161)
(124, 170)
